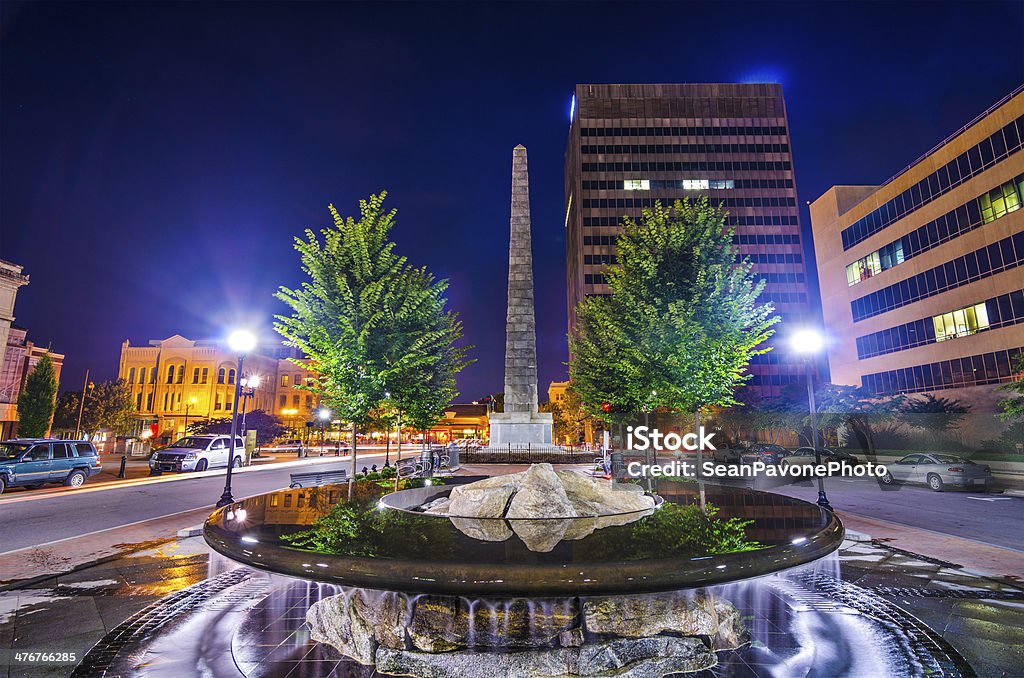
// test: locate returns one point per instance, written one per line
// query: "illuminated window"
(998, 202)
(284, 380)
(695, 184)
(131, 376)
(961, 323)
(636, 184)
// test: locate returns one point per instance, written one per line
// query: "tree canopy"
(683, 319)
(373, 326)
(36, 400)
(267, 426)
(1013, 406)
(108, 405)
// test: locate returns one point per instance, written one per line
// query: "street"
(37, 517)
(988, 518)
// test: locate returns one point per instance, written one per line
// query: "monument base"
(521, 428)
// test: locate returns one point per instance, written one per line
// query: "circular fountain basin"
(379, 541)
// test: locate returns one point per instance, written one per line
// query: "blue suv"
(31, 462)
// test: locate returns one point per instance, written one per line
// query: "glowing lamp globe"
(242, 341)
(807, 342)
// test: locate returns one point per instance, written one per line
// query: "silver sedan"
(937, 471)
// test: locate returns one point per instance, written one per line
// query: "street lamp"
(241, 342)
(189, 404)
(809, 343)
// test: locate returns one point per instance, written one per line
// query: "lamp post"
(189, 404)
(241, 342)
(324, 414)
(808, 343)
(249, 386)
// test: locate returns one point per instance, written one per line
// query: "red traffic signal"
(606, 406)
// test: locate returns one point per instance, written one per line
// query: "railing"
(526, 454)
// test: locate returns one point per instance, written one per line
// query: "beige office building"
(175, 380)
(922, 278)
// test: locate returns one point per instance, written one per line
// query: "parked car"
(766, 452)
(724, 454)
(937, 471)
(805, 455)
(197, 453)
(289, 445)
(32, 462)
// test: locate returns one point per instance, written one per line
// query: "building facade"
(175, 379)
(19, 355)
(630, 145)
(922, 278)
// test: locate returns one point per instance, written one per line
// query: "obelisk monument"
(520, 423)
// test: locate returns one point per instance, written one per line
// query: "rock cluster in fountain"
(622, 636)
(530, 499)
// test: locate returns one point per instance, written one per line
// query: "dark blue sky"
(157, 159)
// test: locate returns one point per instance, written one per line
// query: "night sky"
(156, 160)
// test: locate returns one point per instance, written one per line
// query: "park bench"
(323, 476)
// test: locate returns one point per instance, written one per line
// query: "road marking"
(990, 498)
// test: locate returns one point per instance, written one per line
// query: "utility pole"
(81, 405)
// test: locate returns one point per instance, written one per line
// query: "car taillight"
(97, 462)
(955, 469)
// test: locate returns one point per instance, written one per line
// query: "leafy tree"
(682, 321)
(1013, 406)
(857, 409)
(370, 323)
(65, 413)
(268, 427)
(36, 400)
(568, 415)
(935, 414)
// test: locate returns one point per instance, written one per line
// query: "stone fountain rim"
(435, 492)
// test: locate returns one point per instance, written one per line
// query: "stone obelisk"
(520, 423)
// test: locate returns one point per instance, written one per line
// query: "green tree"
(108, 405)
(937, 415)
(682, 321)
(36, 400)
(370, 323)
(859, 410)
(1013, 406)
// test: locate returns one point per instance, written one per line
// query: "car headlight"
(190, 455)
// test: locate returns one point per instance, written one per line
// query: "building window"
(149, 402)
(231, 376)
(295, 401)
(636, 185)
(152, 374)
(206, 373)
(961, 323)
(142, 374)
(138, 401)
(131, 376)
(195, 375)
(284, 401)
(309, 402)
(218, 403)
(165, 401)
(221, 373)
(181, 373)
(170, 374)
(284, 380)
(975, 370)
(998, 202)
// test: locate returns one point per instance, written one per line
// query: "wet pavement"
(981, 619)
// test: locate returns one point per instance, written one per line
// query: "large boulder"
(479, 502)
(637, 616)
(598, 497)
(333, 621)
(540, 494)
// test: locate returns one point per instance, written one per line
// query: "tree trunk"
(352, 476)
(700, 463)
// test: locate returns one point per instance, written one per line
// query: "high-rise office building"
(922, 282)
(630, 145)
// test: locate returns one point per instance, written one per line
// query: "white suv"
(197, 453)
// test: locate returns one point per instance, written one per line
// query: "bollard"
(299, 455)
(124, 462)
